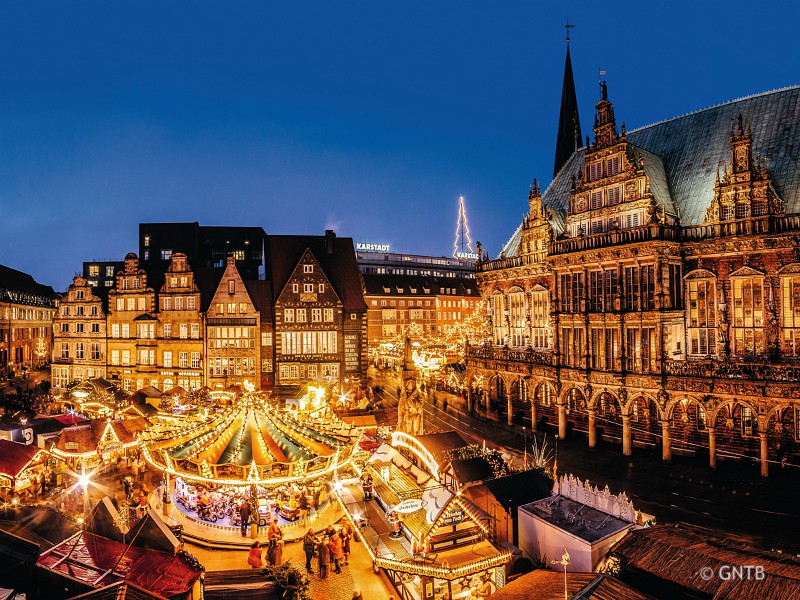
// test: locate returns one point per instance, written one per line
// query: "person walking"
(337, 550)
(254, 556)
(346, 534)
(323, 558)
(244, 513)
(309, 545)
(135, 469)
(303, 507)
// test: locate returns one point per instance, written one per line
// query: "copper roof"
(691, 147)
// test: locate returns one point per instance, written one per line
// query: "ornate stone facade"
(645, 304)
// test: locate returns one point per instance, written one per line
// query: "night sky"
(370, 118)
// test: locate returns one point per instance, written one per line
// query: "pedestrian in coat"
(275, 553)
(323, 558)
(244, 513)
(254, 556)
(309, 546)
(346, 534)
(337, 550)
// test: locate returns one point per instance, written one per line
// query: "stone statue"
(411, 402)
(410, 409)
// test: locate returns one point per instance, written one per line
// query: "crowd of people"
(330, 547)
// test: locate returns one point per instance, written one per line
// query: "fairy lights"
(403, 440)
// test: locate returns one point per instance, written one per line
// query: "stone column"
(764, 453)
(666, 442)
(712, 448)
(626, 435)
(562, 422)
(592, 428)
(510, 415)
(533, 415)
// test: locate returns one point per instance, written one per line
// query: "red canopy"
(15, 457)
(91, 556)
(70, 419)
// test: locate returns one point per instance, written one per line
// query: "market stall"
(432, 542)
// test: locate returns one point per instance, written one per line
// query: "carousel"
(279, 456)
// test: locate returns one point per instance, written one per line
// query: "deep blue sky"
(368, 117)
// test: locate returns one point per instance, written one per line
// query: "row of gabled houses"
(182, 319)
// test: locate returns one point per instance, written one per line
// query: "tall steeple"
(569, 124)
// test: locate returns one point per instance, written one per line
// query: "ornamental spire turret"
(569, 124)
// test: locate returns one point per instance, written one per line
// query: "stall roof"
(14, 457)
(653, 550)
(70, 419)
(512, 491)
(549, 585)
(439, 444)
(122, 590)
(100, 562)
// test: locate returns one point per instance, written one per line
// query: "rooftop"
(579, 520)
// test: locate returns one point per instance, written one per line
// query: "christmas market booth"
(95, 398)
(281, 460)
(21, 467)
(106, 552)
(99, 441)
(432, 542)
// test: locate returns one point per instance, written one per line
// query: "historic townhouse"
(233, 333)
(27, 309)
(133, 328)
(179, 354)
(395, 302)
(651, 296)
(320, 315)
(79, 336)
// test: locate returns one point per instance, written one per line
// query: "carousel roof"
(253, 430)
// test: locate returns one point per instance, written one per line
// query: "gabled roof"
(512, 491)
(549, 585)
(692, 146)
(679, 553)
(439, 444)
(285, 251)
(471, 470)
(23, 284)
(15, 457)
(260, 293)
(207, 281)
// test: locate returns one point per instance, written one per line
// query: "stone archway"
(519, 401)
(544, 405)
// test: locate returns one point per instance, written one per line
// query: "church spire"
(569, 124)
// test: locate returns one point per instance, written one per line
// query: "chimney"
(329, 237)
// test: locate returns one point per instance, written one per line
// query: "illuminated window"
(308, 268)
(748, 316)
(790, 315)
(749, 422)
(702, 317)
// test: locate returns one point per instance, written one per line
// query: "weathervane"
(568, 27)
(564, 561)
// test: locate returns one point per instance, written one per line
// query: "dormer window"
(594, 171)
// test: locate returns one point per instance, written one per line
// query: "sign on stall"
(407, 506)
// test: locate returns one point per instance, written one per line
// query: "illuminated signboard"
(363, 247)
(467, 255)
